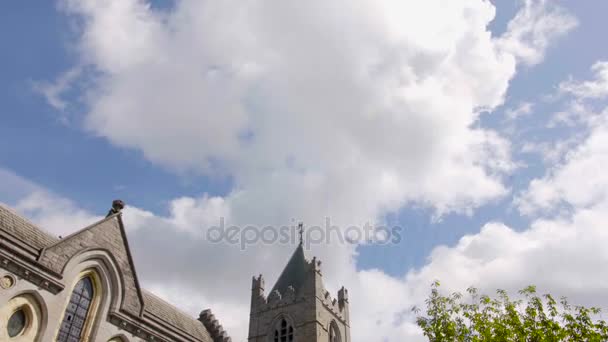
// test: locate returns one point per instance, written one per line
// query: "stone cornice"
(127, 323)
(28, 271)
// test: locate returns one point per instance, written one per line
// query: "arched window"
(77, 311)
(334, 332)
(283, 331)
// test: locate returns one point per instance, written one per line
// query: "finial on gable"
(117, 206)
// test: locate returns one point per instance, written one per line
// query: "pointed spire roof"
(294, 273)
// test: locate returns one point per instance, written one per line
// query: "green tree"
(533, 318)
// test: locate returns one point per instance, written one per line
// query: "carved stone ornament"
(7, 281)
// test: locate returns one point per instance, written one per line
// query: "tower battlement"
(336, 306)
(213, 326)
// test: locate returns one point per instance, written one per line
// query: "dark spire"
(294, 273)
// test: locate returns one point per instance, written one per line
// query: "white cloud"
(343, 109)
(575, 114)
(560, 255)
(579, 181)
(562, 249)
(206, 211)
(13, 186)
(534, 28)
(553, 153)
(310, 97)
(57, 215)
(53, 92)
(596, 88)
(523, 109)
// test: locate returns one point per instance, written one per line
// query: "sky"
(479, 128)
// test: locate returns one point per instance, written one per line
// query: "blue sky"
(570, 57)
(89, 170)
(81, 151)
(61, 157)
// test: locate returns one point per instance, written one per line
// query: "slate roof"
(23, 230)
(26, 232)
(173, 316)
(294, 273)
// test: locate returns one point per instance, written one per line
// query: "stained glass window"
(76, 313)
(17, 323)
(283, 332)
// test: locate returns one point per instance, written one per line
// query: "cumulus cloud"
(562, 249)
(561, 255)
(590, 89)
(347, 109)
(577, 180)
(553, 153)
(523, 109)
(560, 252)
(533, 29)
(58, 215)
(595, 88)
(304, 100)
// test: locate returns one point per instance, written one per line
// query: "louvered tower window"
(283, 332)
(334, 334)
(77, 311)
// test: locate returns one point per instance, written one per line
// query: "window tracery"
(283, 331)
(77, 311)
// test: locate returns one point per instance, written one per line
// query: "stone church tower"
(298, 308)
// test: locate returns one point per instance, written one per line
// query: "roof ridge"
(90, 226)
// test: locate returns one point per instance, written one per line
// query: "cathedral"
(83, 287)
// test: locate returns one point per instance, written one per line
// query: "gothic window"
(283, 332)
(76, 313)
(334, 333)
